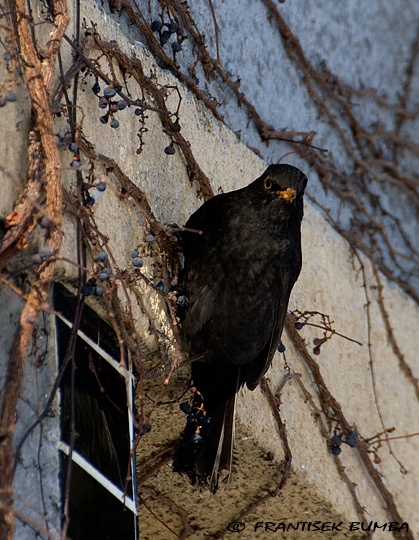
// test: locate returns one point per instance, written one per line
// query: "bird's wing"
(260, 365)
(202, 273)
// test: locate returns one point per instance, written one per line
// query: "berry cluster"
(317, 342)
(138, 261)
(76, 162)
(337, 442)
(91, 287)
(175, 127)
(166, 31)
(136, 257)
(106, 102)
(197, 420)
(113, 106)
(90, 199)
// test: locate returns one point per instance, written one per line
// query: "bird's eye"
(268, 183)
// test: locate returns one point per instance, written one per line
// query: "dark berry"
(156, 26)
(281, 348)
(175, 126)
(96, 88)
(98, 290)
(181, 300)
(101, 256)
(87, 290)
(316, 351)
(134, 253)
(10, 96)
(172, 27)
(103, 102)
(149, 238)
(299, 325)
(109, 92)
(144, 429)
(180, 31)
(105, 274)
(104, 119)
(2, 101)
(191, 418)
(90, 201)
(205, 420)
(101, 186)
(317, 342)
(85, 186)
(176, 46)
(352, 438)
(169, 150)
(164, 37)
(336, 440)
(336, 450)
(185, 407)
(118, 88)
(137, 261)
(114, 123)
(73, 147)
(122, 104)
(113, 107)
(160, 286)
(7, 57)
(196, 438)
(138, 111)
(76, 163)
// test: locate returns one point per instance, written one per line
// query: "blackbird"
(237, 279)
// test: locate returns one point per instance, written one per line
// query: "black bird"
(237, 280)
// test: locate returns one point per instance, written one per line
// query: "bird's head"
(283, 182)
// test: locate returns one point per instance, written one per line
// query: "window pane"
(101, 423)
(94, 512)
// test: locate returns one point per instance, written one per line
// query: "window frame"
(130, 501)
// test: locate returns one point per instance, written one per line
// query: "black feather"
(237, 279)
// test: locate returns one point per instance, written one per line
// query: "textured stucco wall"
(331, 281)
(366, 45)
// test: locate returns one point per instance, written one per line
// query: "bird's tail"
(207, 444)
(217, 450)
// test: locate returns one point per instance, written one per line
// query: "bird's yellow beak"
(288, 194)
